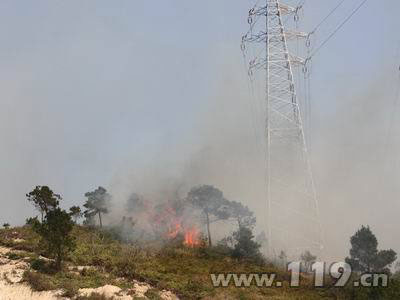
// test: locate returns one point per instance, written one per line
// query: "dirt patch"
(11, 288)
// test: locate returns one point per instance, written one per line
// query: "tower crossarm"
(261, 36)
(260, 63)
(263, 11)
(286, 9)
(283, 8)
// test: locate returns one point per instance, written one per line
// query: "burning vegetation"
(172, 244)
(182, 220)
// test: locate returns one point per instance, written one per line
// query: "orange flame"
(175, 225)
(192, 238)
(173, 232)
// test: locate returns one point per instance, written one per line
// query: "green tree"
(75, 212)
(97, 204)
(245, 246)
(364, 254)
(55, 233)
(211, 202)
(241, 214)
(6, 225)
(44, 200)
(32, 221)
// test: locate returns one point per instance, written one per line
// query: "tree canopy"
(211, 202)
(75, 212)
(97, 203)
(245, 246)
(44, 199)
(241, 214)
(364, 254)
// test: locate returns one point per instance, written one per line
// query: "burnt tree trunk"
(208, 229)
(101, 223)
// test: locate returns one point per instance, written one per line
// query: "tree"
(55, 232)
(211, 202)
(245, 246)
(97, 204)
(75, 212)
(32, 221)
(241, 214)
(6, 225)
(308, 259)
(43, 199)
(364, 254)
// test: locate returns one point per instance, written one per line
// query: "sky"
(124, 94)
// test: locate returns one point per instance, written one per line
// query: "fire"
(173, 232)
(192, 238)
(173, 224)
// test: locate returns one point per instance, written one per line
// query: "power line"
(338, 28)
(327, 17)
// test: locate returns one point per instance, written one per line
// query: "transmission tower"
(293, 223)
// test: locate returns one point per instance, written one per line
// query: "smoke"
(109, 101)
(352, 155)
(219, 150)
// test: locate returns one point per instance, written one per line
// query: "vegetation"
(185, 271)
(96, 204)
(241, 214)
(245, 247)
(65, 255)
(55, 234)
(210, 201)
(364, 254)
(182, 270)
(75, 212)
(44, 200)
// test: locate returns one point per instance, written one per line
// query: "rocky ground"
(12, 286)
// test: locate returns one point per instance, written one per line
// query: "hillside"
(101, 267)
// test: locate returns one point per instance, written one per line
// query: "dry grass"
(184, 271)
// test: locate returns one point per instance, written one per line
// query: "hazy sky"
(95, 91)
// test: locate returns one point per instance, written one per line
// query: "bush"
(13, 255)
(153, 294)
(39, 265)
(70, 289)
(245, 247)
(38, 281)
(125, 267)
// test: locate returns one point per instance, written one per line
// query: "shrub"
(70, 289)
(153, 294)
(38, 281)
(246, 247)
(55, 232)
(13, 255)
(38, 265)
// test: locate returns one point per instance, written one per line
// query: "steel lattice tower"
(292, 207)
